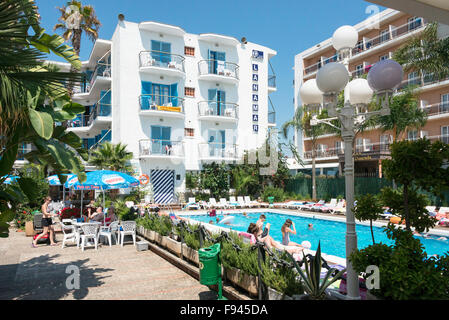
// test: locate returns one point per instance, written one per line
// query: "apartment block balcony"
(99, 79)
(271, 79)
(161, 105)
(218, 71)
(437, 110)
(161, 149)
(162, 63)
(216, 151)
(424, 82)
(366, 44)
(98, 119)
(218, 111)
(271, 114)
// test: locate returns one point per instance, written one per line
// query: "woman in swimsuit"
(267, 239)
(46, 224)
(287, 228)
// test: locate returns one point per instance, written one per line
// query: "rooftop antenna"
(244, 40)
(121, 17)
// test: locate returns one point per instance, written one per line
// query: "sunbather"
(268, 240)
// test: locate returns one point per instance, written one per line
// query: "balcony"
(218, 111)
(162, 149)
(424, 82)
(271, 114)
(272, 83)
(162, 63)
(100, 78)
(437, 110)
(369, 44)
(218, 151)
(100, 115)
(161, 105)
(218, 71)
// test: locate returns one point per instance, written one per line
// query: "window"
(155, 94)
(217, 142)
(189, 51)
(445, 134)
(384, 57)
(339, 147)
(444, 106)
(189, 132)
(160, 139)
(217, 102)
(414, 23)
(414, 79)
(412, 135)
(160, 52)
(189, 92)
(384, 36)
(359, 70)
(216, 62)
(427, 77)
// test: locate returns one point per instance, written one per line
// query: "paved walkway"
(109, 273)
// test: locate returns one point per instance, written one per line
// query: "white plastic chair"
(108, 232)
(241, 202)
(224, 203)
(128, 228)
(250, 203)
(68, 236)
(89, 232)
(234, 202)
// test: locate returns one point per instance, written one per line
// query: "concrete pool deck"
(116, 273)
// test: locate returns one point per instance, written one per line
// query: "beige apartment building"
(377, 41)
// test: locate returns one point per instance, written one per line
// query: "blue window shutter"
(165, 47)
(221, 56)
(212, 97)
(146, 91)
(174, 94)
(221, 99)
(105, 103)
(156, 132)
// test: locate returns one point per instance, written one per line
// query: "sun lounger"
(213, 203)
(242, 202)
(431, 210)
(340, 208)
(191, 205)
(232, 202)
(224, 203)
(250, 203)
(317, 206)
(294, 204)
(327, 207)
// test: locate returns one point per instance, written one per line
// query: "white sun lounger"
(242, 202)
(192, 204)
(250, 203)
(224, 203)
(232, 202)
(213, 203)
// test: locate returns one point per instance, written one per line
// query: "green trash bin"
(270, 200)
(210, 267)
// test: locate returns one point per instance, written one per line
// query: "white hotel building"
(178, 100)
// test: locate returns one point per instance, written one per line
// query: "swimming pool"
(330, 233)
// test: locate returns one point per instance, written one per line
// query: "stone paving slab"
(109, 273)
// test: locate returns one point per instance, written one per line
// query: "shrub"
(270, 191)
(245, 260)
(405, 271)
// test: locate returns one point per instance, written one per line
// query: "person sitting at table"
(110, 216)
(98, 215)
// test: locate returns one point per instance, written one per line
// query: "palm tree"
(405, 114)
(88, 23)
(426, 54)
(32, 95)
(74, 20)
(112, 157)
(301, 121)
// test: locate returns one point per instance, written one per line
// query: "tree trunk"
(76, 44)
(372, 232)
(313, 175)
(406, 209)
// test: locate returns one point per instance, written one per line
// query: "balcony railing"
(218, 109)
(162, 60)
(359, 149)
(214, 150)
(436, 109)
(372, 43)
(158, 147)
(272, 117)
(157, 102)
(419, 81)
(101, 70)
(100, 109)
(272, 81)
(218, 67)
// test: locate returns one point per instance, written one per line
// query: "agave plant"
(314, 286)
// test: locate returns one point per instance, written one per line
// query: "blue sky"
(287, 26)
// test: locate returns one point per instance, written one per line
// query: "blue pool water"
(330, 233)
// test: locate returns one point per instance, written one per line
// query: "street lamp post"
(331, 79)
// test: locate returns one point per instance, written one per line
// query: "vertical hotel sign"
(257, 55)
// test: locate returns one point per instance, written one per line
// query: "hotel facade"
(177, 100)
(379, 37)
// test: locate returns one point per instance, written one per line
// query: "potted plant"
(314, 286)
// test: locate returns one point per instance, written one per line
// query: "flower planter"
(172, 245)
(190, 254)
(151, 235)
(29, 229)
(276, 295)
(243, 280)
(158, 238)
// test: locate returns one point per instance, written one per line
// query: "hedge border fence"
(327, 188)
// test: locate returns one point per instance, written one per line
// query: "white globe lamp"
(332, 78)
(310, 94)
(385, 75)
(345, 37)
(359, 92)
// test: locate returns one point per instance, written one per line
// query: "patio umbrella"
(103, 180)
(54, 181)
(10, 179)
